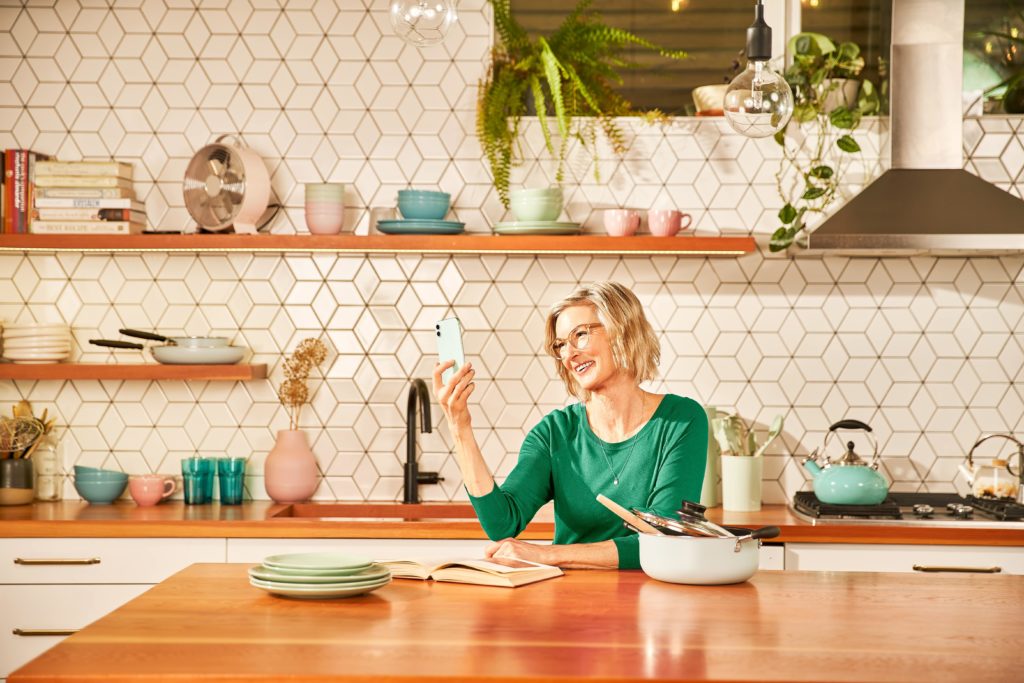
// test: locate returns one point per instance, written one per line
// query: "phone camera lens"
(438, 333)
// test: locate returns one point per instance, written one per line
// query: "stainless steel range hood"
(926, 202)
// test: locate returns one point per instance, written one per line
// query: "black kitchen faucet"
(413, 477)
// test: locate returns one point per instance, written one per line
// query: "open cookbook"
(495, 571)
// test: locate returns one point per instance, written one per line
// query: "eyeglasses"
(578, 339)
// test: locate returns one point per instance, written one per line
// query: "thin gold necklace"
(604, 450)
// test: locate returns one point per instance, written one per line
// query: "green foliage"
(1003, 47)
(569, 74)
(818, 66)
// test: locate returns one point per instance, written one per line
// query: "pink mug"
(621, 222)
(150, 489)
(667, 222)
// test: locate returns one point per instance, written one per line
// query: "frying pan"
(215, 351)
(189, 342)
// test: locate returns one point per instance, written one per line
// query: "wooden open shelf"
(236, 373)
(467, 243)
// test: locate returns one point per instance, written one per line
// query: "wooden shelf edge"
(127, 371)
(468, 243)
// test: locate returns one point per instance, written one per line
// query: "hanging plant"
(567, 75)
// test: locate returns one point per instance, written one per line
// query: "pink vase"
(290, 474)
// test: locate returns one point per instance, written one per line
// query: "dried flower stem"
(294, 391)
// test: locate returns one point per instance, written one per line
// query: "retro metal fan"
(226, 185)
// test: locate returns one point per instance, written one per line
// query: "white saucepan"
(703, 560)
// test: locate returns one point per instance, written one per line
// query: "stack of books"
(17, 188)
(86, 197)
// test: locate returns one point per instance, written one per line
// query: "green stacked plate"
(537, 228)
(318, 575)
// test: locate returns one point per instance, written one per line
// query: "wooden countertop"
(265, 519)
(207, 624)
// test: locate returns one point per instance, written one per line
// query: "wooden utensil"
(627, 516)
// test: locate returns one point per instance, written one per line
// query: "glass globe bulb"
(758, 102)
(422, 22)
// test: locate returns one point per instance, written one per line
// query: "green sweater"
(563, 460)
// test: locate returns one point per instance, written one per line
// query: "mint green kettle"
(848, 480)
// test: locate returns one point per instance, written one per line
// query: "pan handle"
(761, 534)
(152, 336)
(116, 344)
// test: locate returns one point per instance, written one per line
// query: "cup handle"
(169, 491)
(685, 221)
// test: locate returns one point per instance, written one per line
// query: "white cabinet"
(857, 557)
(51, 587)
(255, 549)
(35, 618)
(772, 557)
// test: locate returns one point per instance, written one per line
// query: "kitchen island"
(206, 623)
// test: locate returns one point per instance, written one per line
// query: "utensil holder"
(741, 483)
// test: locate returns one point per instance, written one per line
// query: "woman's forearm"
(603, 555)
(475, 474)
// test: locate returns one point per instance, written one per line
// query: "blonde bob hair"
(635, 347)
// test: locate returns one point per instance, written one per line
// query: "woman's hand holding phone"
(454, 396)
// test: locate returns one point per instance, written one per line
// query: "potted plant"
(565, 76)
(290, 471)
(828, 105)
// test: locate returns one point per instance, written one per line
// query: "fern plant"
(570, 74)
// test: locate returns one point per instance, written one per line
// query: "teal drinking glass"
(231, 473)
(192, 480)
(208, 467)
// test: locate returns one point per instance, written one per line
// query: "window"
(713, 32)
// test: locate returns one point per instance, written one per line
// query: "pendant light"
(759, 101)
(422, 22)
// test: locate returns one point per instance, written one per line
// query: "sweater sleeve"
(507, 509)
(680, 477)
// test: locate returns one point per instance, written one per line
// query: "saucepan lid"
(689, 520)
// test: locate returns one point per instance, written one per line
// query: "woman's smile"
(581, 368)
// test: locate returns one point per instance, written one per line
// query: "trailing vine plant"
(818, 67)
(567, 75)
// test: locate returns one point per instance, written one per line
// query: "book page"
(496, 565)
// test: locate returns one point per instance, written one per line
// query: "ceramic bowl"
(93, 477)
(433, 206)
(526, 208)
(100, 492)
(553, 191)
(424, 195)
(83, 471)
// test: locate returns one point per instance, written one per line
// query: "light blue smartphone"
(449, 345)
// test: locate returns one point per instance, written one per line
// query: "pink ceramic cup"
(325, 219)
(667, 222)
(150, 489)
(621, 222)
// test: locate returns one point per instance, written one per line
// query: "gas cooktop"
(916, 509)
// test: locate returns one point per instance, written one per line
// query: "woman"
(640, 449)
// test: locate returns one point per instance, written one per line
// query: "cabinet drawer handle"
(44, 631)
(962, 570)
(42, 560)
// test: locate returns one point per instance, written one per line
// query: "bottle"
(49, 477)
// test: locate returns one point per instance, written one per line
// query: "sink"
(376, 511)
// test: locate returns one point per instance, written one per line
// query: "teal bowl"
(100, 492)
(97, 473)
(414, 208)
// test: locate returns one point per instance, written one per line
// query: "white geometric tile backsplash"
(929, 351)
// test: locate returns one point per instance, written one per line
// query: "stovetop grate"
(808, 503)
(1005, 510)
